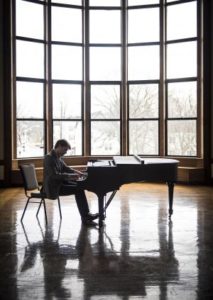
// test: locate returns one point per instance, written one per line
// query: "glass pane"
(143, 25)
(71, 2)
(105, 63)
(143, 62)
(72, 132)
(66, 24)
(105, 101)
(66, 101)
(29, 19)
(182, 138)
(182, 100)
(29, 100)
(142, 2)
(182, 60)
(182, 21)
(105, 3)
(29, 59)
(30, 138)
(66, 62)
(105, 138)
(103, 31)
(143, 101)
(143, 137)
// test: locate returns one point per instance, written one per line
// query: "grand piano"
(106, 176)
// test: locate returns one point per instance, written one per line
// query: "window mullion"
(162, 106)
(124, 105)
(86, 127)
(48, 86)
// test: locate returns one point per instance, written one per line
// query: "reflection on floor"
(138, 254)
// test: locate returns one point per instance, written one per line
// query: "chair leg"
(25, 208)
(39, 208)
(42, 201)
(45, 211)
(59, 206)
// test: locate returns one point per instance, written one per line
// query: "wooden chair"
(33, 191)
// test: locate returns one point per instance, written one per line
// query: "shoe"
(92, 216)
(89, 223)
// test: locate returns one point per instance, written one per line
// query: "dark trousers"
(80, 198)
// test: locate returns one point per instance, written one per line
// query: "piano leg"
(101, 209)
(110, 200)
(171, 190)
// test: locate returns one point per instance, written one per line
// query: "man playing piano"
(61, 180)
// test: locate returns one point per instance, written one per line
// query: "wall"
(211, 135)
(1, 97)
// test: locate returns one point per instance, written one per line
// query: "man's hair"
(62, 143)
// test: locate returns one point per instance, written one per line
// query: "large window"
(30, 80)
(112, 77)
(66, 77)
(182, 78)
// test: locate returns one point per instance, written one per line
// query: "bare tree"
(182, 133)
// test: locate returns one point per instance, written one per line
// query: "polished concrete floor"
(138, 254)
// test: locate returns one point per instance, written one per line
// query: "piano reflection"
(108, 273)
(106, 176)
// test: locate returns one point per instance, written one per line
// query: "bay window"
(112, 77)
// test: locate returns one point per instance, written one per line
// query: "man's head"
(61, 147)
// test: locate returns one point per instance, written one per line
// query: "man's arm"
(67, 169)
(51, 169)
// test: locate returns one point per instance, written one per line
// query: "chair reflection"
(54, 260)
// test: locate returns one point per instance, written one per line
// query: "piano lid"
(138, 160)
(99, 163)
(126, 160)
(160, 161)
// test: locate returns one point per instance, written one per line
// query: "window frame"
(86, 82)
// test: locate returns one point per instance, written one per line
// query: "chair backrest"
(29, 177)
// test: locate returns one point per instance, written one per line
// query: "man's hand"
(82, 176)
(72, 176)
